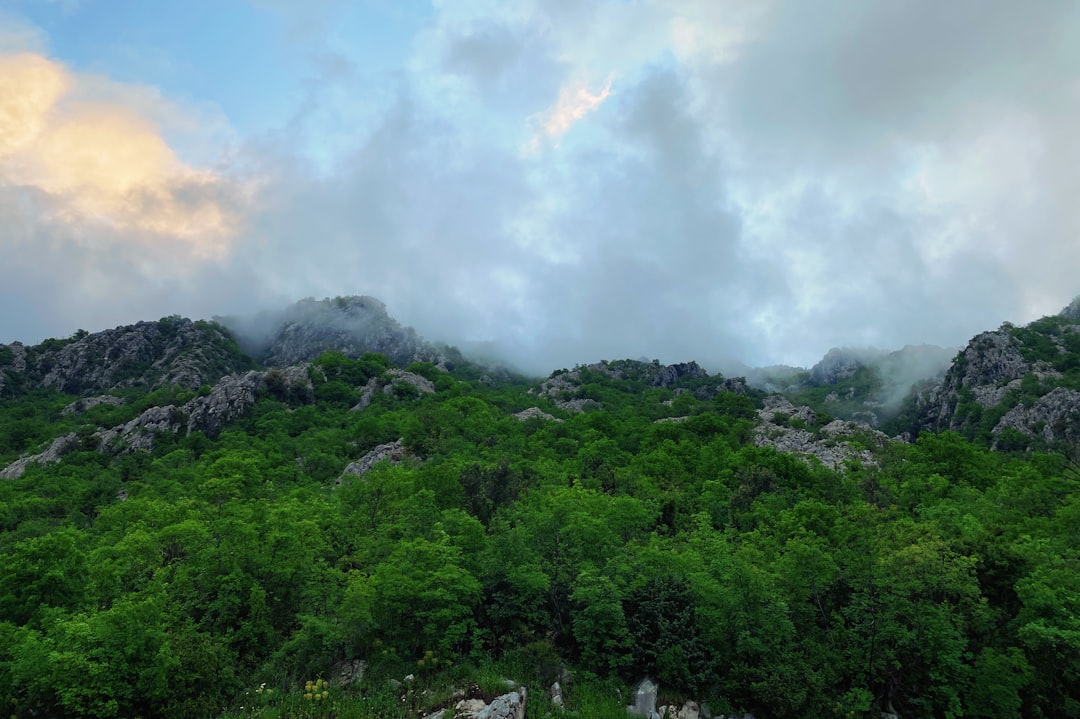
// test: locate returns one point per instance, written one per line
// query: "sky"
(569, 180)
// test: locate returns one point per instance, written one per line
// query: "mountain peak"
(351, 325)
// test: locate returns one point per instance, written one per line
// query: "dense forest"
(229, 576)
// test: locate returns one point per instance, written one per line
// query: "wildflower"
(308, 696)
(325, 694)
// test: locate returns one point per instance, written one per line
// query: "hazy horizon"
(716, 180)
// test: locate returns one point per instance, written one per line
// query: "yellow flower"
(325, 694)
(308, 696)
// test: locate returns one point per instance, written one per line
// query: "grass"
(379, 696)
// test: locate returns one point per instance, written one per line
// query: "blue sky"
(570, 180)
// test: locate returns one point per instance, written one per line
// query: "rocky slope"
(1011, 386)
(350, 325)
(171, 351)
(862, 384)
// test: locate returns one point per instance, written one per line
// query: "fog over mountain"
(563, 181)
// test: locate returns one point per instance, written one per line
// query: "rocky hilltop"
(1012, 386)
(350, 325)
(862, 384)
(172, 351)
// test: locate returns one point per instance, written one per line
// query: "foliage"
(940, 581)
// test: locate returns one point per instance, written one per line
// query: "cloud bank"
(680, 179)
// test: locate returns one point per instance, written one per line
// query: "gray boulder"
(57, 449)
(507, 706)
(392, 452)
(644, 699)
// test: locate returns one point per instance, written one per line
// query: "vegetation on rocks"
(230, 575)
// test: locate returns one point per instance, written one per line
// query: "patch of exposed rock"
(535, 412)
(562, 386)
(350, 325)
(171, 351)
(88, 403)
(833, 445)
(395, 378)
(989, 368)
(55, 451)
(228, 401)
(672, 373)
(840, 363)
(1072, 310)
(423, 384)
(1052, 417)
(507, 706)
(366, 395)
(392, 452)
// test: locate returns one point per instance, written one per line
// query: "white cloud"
(104, 162)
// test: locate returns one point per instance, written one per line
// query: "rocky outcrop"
(989, 371)
(645, 700)
(87, 403)
(366, 395)
(507, 706)
(172, 351)
(1072, 310)
(834, 444)
(55, 451)
(392, 452)
(1052, 417)
(840, 363)
(228, 401)
(400, 376)
(563, 387)
(350, 325)
(669, 375)
(535, 412)
(141, 432)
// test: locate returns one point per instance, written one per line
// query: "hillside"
(222, 545)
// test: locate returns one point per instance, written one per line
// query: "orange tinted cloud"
(575, 102)
(104, 162)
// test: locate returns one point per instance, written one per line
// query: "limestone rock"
(507, 706)
(347, 671)
(366, 395)
(53, 453)
(1072, 310)
(841, 363)
(689, 710)
(392, 452)
(171, 351)
(424, 385)
(350, 325)
(644, 699)
(669, 375)
(831, 444)
(87, 403)
(556, 694)
(230, 399)
(531, 412)
(1054, 416)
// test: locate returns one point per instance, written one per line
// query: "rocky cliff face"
(1012, 381)
(350, 325)
(171, 351)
